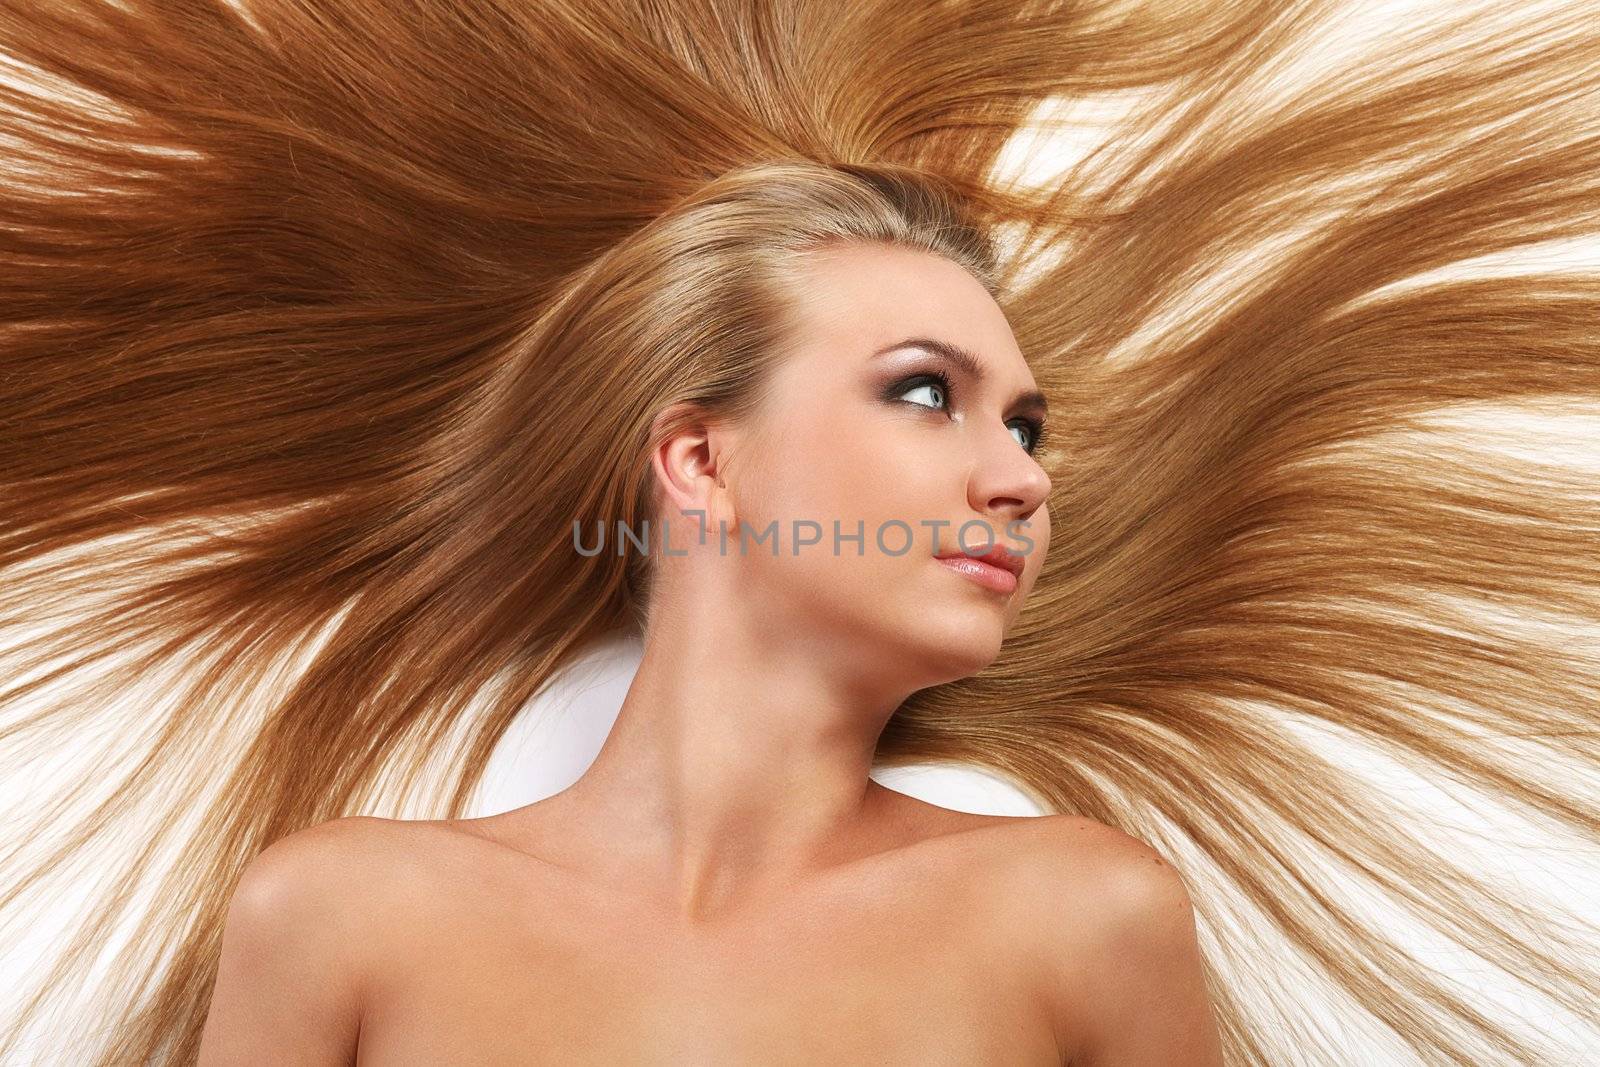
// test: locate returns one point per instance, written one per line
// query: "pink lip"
(987, 575)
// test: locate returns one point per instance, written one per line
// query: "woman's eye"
(932, 389)
(1025, 439)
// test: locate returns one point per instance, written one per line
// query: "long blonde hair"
(324, 322)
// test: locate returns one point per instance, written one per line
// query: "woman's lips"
(985, 574)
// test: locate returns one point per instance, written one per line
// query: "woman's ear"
(687, 457)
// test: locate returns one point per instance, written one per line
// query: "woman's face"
(859, 429)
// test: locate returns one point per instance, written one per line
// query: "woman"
(725, 883)
(336, 332)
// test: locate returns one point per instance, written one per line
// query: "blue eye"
(1035, 431)
(934, 389)
(935, 384)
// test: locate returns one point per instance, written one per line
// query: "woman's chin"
(957, 643)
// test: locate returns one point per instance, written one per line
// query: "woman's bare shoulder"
(1084, 882)
(1056, 847)
(346, 872)
(355, 842)
(1102, 903)
(355, 885)
(1093, 848)
(1055, 864)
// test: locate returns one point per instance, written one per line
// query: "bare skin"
(726, 884)
(955, 939)
(892, 955)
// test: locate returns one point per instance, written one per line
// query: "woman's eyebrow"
(1031, 401)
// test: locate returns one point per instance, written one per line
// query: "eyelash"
(1036, 428)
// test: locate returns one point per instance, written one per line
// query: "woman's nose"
(1007, 480)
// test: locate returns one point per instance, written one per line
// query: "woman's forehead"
(855, 301)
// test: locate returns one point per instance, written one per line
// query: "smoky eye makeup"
(936, 382)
